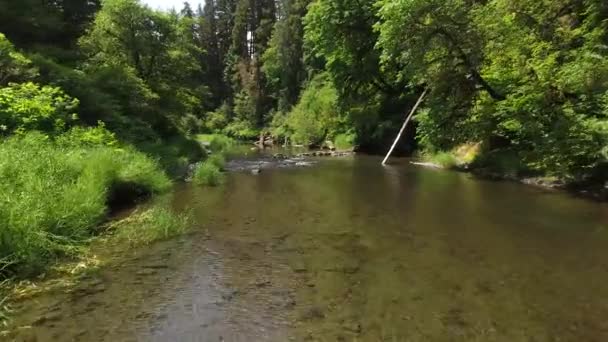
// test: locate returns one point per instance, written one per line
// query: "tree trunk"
(407, 120)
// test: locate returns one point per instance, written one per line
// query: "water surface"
(349, 250)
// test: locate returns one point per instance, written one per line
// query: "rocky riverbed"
(279, 160)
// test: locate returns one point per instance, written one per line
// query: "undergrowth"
(207, 173)
(345, 141)
(217, 142)
(444, 159)
(55, 195)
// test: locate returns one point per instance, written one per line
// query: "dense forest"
(526, 79)
(109, 94)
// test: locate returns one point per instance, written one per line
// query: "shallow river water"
(348, 250)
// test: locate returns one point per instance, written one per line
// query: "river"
(348, 250)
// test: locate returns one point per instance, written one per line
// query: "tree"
(340, 37)
(14, 66)
(283, 60)
(55, 24)
(211, 60)
(253, 21)
(527, 78)
(158, 47)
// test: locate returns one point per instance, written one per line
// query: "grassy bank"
(56, 193)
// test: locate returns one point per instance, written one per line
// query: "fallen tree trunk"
(407, 120)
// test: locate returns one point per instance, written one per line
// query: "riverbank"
(147, 220)
(507, 167)
(62, 193)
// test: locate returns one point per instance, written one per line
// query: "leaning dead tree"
(407, 120)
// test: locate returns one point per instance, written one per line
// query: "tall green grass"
(54, 196)
(207, 173)
(210, 171)
(152, 224)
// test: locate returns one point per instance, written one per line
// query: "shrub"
(28, 106)
(279, 128)
(217, 160)
(218, 119)
(53, 197)
(88, 136)
(345, 141)
(217, 142)
(174, 154)
(241, 130)
(444, 159)
(502, 161)
(208, 174)
(316, 114)
(14, 67)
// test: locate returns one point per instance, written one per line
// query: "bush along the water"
(55, 193)
(345, 141)
(216, 142)
(208, 173)
(218, 160)
(444, 159)
(174, 154)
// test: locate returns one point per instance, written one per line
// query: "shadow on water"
(350, 250)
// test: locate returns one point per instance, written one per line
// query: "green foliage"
(316, 115)
(152, 224)
(94, 102)
(446, 160)
(504, 162)
(525, 77)
(241, 130)
(282, 62)
(245, 109)
(345, 141)
(148, 60)
(54, 197)
(340, 39)
(278, 126)
(14, 67)
(249, 39)
(340, 32)
(28, 106)
(216, 120)
(218, 160)
(48, 24)
(207, 173)
(174, 154)
(87, 137)
(217, 142)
